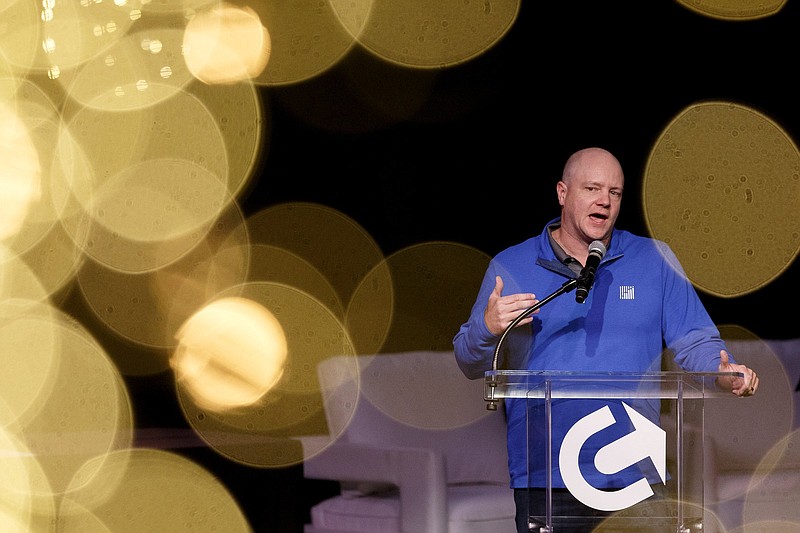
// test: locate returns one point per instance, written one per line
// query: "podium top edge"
(668, 375)
(595, 384)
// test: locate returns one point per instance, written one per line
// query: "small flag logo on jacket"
(626, 292)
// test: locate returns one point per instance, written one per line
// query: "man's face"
(590, 202)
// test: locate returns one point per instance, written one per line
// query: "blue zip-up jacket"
(640, 303)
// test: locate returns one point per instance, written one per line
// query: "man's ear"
(561, 192)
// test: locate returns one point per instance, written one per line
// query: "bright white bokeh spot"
(230, 353)
(226, 44)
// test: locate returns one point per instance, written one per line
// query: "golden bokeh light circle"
(149, 490)
(84, 411)
(427, 35)
(335, 244)
(771, 501)
(265, 433)
(417, 299)
(230, 353)
(306, 40)
(721, 187)
(734, 10)
(661, 514)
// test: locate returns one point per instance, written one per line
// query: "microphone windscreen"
(597, 248)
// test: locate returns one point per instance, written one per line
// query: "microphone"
(596, 252)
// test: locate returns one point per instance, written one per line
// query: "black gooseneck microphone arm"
(565, 288)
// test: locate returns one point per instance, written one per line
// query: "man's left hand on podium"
(740, 386)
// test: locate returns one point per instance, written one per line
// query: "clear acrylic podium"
(672, 402)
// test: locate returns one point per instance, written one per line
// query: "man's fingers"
(723, 358)
(498, 285)
(753, 383)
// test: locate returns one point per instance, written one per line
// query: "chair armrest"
(419, 474)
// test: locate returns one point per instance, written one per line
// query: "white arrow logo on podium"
(646, 440)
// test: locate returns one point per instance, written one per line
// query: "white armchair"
(413, 446)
